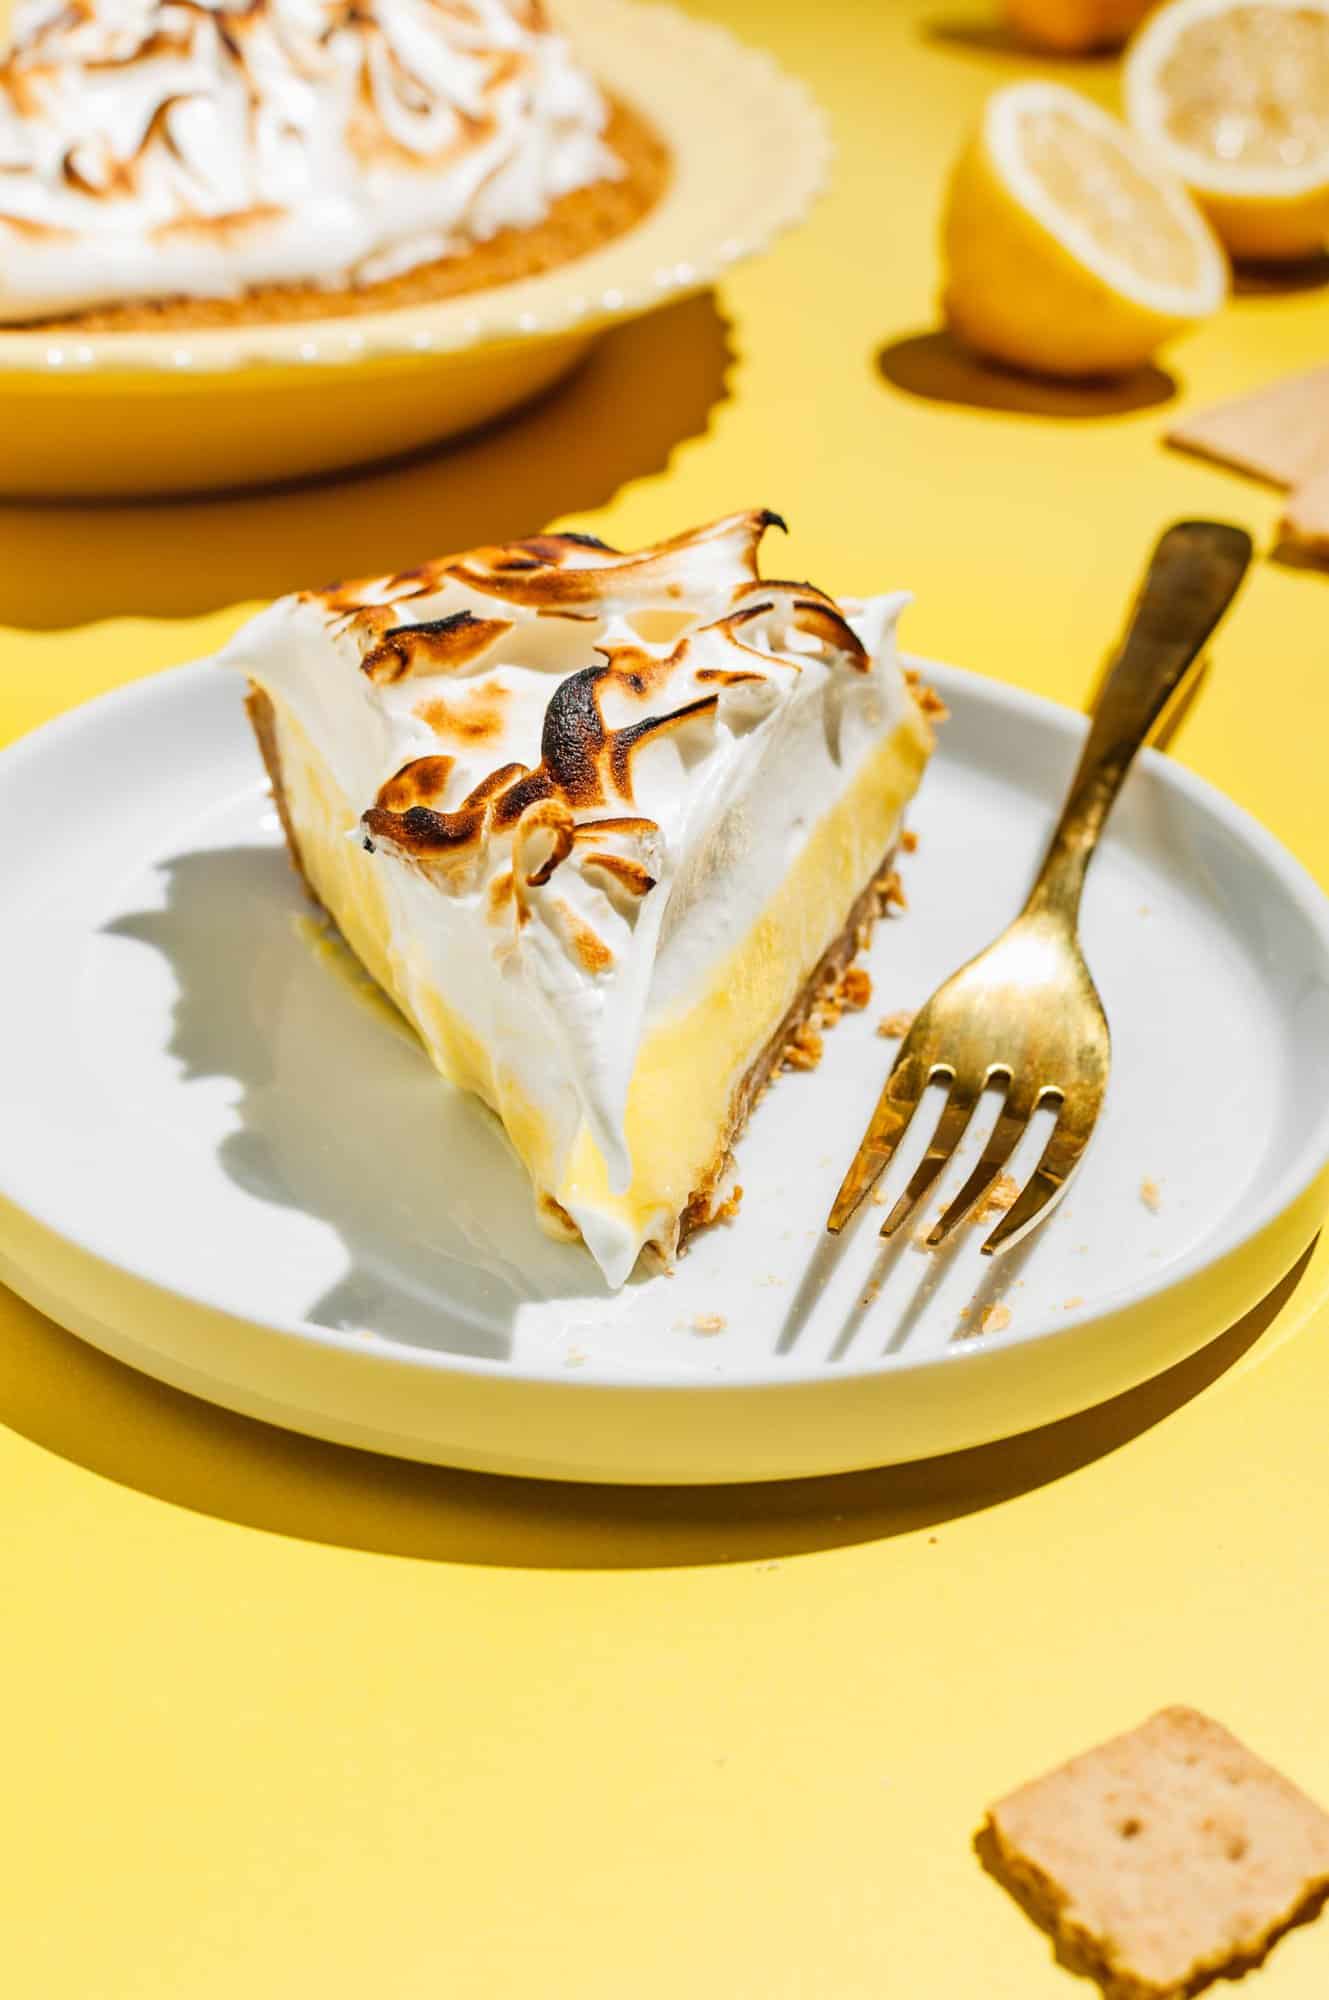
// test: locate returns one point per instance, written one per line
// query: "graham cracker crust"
(263, 720)
(577, 223)
(819, 1004)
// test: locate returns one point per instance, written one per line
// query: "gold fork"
(1026, 1012)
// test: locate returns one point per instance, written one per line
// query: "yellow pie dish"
(162, 410)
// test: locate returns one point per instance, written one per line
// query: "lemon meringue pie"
(212, 159)
(604, 826)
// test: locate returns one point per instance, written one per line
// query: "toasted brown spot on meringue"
(819, 617)
(550, 830)
(425, 574)
(542, 573)
(419, 783)
(557, 1220)
(631, 874)
(472, 717)
(584, 542)
(371, 596)
(810, 611)
(117, 176)
(590, 951)
(625, 741)
(420, 830)
(24, 225)
(438, 645)
(728, 676)
(594, 828)
(500, 893)
(496, 783)
(219, 228)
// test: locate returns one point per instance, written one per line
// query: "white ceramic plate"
(225, 1163)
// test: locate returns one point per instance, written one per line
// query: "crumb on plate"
(895, 1026)
(803, 1050)
(1003, 1194)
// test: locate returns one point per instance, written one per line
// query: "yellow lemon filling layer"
(689, 1068)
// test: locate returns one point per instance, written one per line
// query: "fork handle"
(1191, 580)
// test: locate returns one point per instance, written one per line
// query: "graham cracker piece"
(1280, 433)
(1164, 1859)
(1305, 521)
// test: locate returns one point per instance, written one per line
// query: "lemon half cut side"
(1068, 250)
(1233, 96)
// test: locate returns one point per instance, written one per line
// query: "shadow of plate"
(70, 1399)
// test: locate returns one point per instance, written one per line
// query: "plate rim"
(1290, 1187)
(549, 305)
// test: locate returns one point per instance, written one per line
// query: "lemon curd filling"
(690, 1066)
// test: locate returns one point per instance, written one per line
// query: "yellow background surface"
(281, 1719)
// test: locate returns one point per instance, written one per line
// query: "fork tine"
(1060, 1158)
(1011, 1126)
(896, 1106)
(951, 1128)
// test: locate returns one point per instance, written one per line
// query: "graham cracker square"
(1164, 1859)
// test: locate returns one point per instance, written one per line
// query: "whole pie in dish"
(607, 828)
(208, 162)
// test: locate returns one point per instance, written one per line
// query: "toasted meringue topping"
(575, 868)
(159, 148)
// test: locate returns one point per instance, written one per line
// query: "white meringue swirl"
(199, 148)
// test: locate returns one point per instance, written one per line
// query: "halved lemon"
(1067, 249)
(1234, 97)
(1071, 27)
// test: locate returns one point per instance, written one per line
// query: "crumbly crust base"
(818, 1005)
(577, 223)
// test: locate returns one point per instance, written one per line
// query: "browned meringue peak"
(559, 574)
(586, 762)
(686, 580)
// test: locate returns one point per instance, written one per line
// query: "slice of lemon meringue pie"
(608, 828)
